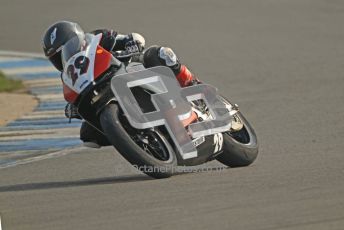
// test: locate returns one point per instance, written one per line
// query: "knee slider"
(168, 56)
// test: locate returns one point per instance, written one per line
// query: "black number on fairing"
(81, 63)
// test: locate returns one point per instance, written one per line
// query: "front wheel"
(240, 148)
(147, 150)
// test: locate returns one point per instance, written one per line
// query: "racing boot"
(91, 137)
(185, 77)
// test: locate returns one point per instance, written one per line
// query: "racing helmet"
(56, 36)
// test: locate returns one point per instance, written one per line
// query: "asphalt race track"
(281, 61)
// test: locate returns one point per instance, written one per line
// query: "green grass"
(9, 85)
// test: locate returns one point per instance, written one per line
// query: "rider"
(61, 32)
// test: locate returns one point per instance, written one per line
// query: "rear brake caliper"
(236, 124)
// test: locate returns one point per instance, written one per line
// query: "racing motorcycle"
(111, 97)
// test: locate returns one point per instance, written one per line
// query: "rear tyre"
(239, 148)
(147, 150)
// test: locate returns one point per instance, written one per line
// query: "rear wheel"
(240, 148)
(147, 150)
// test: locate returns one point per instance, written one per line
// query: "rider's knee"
(161, 56)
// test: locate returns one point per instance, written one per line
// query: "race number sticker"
(218, 142)
(79, 68)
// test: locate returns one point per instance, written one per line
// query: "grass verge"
(9, 85)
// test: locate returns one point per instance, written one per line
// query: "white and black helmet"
(56, 36)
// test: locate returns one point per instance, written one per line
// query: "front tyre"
(148, 150)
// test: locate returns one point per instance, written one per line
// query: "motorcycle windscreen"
(72, 47)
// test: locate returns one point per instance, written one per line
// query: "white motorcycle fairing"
(84, 67)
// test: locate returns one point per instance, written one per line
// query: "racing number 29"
(82, 63)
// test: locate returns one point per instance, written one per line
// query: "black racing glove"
(108, 39)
